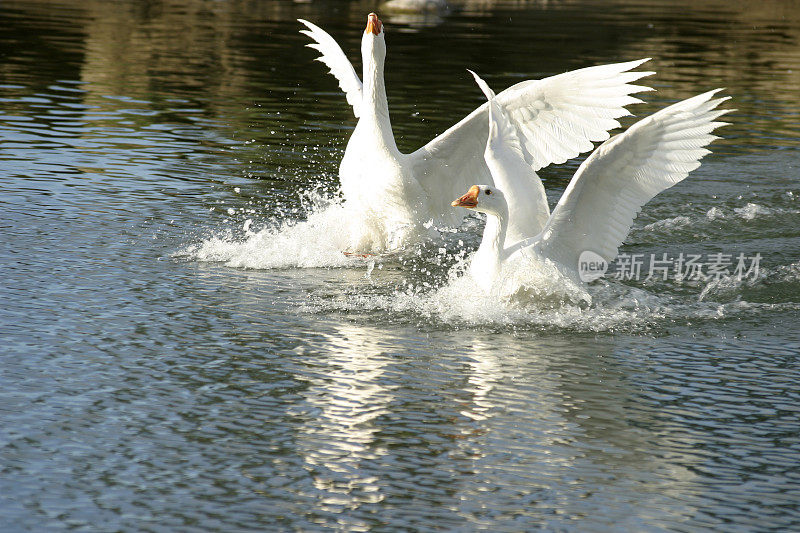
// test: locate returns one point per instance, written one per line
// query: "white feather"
(527, 201)
(394, 197)
(598, 207)
(609, 189)
(334, 58)
(555, 119)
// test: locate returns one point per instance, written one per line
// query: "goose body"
(393, 199)
(597, 209)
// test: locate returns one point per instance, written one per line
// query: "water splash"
(750, 211)
(430, 284)
(615, 307)
(321, 240)
(317, 241)
(669, 223)
(458, 304)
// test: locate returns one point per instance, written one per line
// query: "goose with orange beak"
(469, 200)
(394, 199)
(374, 25)
(597, 209)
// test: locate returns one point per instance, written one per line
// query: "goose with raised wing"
(528, 210)
(597, 209)
(393, 199)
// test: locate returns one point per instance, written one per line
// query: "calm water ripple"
(166, 366)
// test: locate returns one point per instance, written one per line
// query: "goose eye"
(488, 192)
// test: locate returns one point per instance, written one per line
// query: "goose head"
(484, 199)
(373, 45)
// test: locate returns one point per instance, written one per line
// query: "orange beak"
(374, 24)
(468, 200)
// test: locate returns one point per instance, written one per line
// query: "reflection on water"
(347, 391)
(145, 389)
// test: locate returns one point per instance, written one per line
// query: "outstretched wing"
(527, 201)
(597, 209)
(334, 58)
(555, 119)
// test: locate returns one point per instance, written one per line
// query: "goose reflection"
(482, 379)
(550, 410)
(347, 391)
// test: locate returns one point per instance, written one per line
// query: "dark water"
(164, 369)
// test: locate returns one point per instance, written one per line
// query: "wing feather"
(609, 189)
(335, 59)
(527, 201)
(543, 114)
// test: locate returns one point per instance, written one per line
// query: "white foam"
(317, 241)
(549, 302)
(714, 213)
(751, 211)
(786, 273)
(545, 302)
(669, 223)
(615, 308)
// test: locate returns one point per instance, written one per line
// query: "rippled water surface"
(183, 347)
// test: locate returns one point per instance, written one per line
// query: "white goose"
(528, 210)
(597, 209)
(394, 199)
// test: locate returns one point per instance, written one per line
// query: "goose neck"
(494, 236)
(375, 120)
(375, 89)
